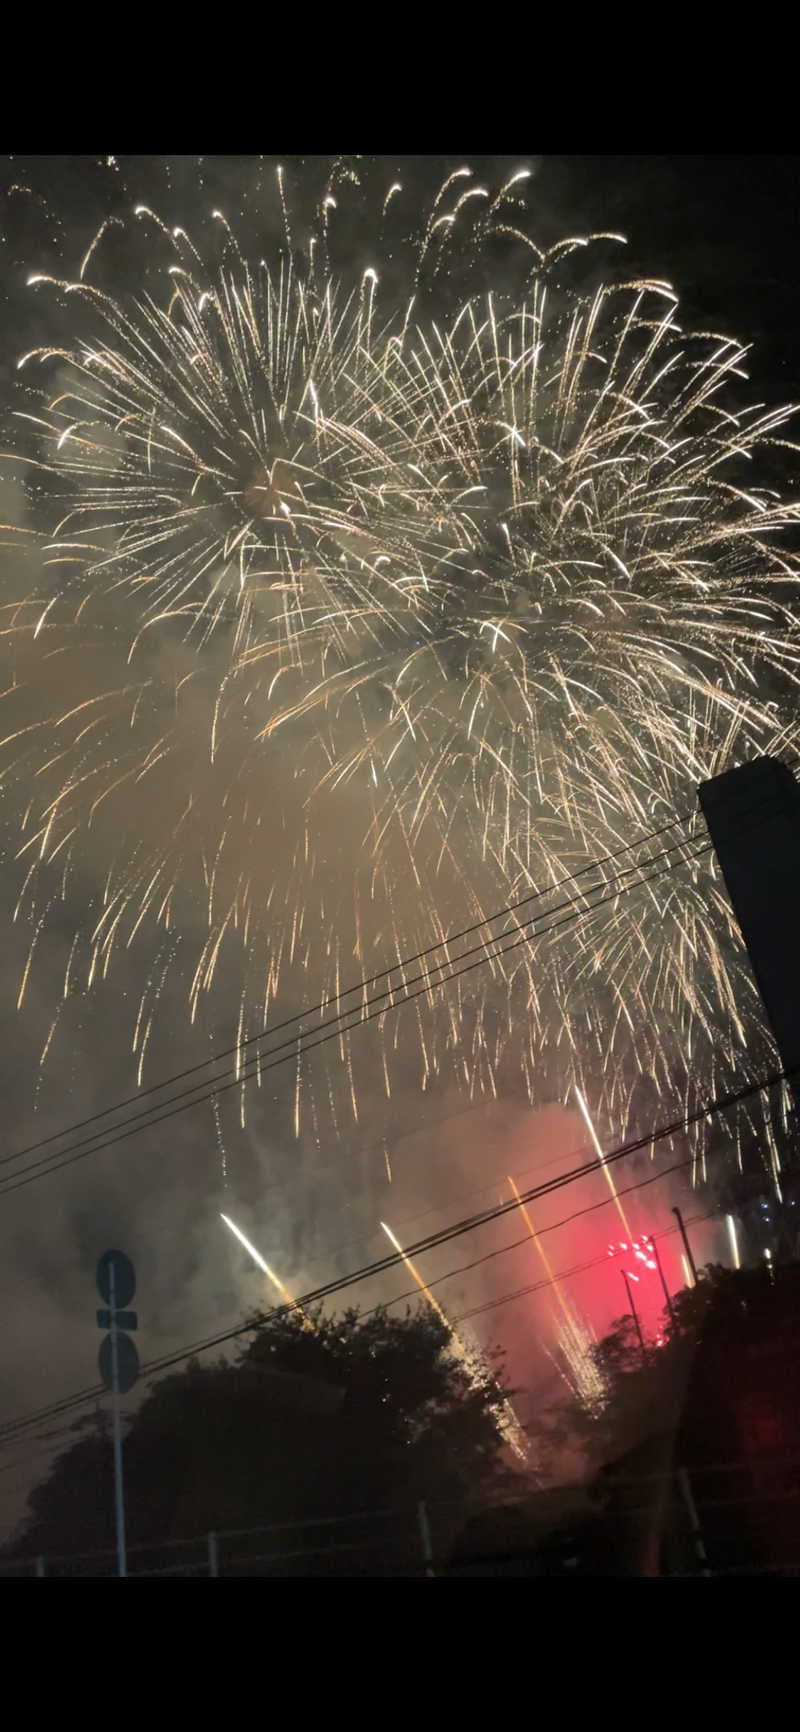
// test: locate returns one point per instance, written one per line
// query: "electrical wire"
(357, 986)
(392, 1260)
(212, 1087)
(98, 1141)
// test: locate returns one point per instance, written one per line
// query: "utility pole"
(650, 1242)
(634, 1313)
(686, 1246)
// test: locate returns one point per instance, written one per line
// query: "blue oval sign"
(124, 1278)
(127, 1363)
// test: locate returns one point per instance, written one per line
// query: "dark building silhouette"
(753, 818)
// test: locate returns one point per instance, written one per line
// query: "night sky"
(725, 231)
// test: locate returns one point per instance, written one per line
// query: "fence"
(365, 1542)
(714, 1522)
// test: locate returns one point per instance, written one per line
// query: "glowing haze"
(358, 606)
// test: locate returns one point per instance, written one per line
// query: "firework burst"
(459, 588)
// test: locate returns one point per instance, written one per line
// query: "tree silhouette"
(718, 1402)
(317, 1422)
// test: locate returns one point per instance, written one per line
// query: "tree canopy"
(317, 1427)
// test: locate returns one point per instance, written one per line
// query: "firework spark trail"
(541, 1250)
(576, 1360)
(575, 1340)
(424, 1288)
(734, 1243)
(270, 1273)
(607, 1174)
(479, 1374)
(484, 581)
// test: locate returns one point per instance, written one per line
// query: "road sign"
(124, 1278)
(125, 1320)
(119, 1365)
(127, 1363)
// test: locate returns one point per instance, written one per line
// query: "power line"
(517, 1244)
(458, 1229)
(359, 986)
(98, 1141)
(96, 1390)
(298, 1045)
(550, 1227)
(82, 1396)
(357, 1011)
(577, 1268)
(721, 1104)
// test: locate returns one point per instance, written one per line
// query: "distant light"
(734, 1242)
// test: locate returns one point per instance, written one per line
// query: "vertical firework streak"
(354, 610)
(576, 1360)
(607, 1173)
(734, 1243)
(260, 1262)
(473, 1361)
(575, 1339)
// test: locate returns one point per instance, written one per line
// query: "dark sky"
(725, 230)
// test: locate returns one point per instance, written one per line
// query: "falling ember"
(263, 1265)
(601, 1158)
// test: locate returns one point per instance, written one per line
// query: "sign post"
(119, 1365)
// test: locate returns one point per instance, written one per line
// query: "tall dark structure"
(753, 818)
